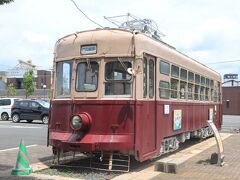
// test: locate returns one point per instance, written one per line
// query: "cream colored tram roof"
(110, 42)
(118, 43)
(145, 44)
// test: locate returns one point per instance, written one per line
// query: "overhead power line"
(85, 14)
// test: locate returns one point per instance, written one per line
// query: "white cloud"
(34, 37)
(205, 30)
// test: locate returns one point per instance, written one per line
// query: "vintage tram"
(122, 91)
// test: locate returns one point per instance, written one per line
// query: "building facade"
(15, 75)
(231, 100)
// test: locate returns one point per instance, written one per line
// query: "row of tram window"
(117, 80)
(180, 84)
(186, 85)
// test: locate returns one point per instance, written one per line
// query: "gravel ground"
(80, 173)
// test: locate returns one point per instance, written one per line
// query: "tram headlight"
(76, 122)
(81, 121)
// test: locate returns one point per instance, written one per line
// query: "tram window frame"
(164, 89)
(203, 80)
(60, 71)
(212, 94)
(174, 71)
(207, 94)
(190, 76)
(183, 74)
(87, 87)
(207, 82)
(164, 67)
(190, 92)
(197, 78)
(110, 84)
(174, 92)
(151, 78)
(202, 93)
(145, 77)
(196, 92)
(182, 90)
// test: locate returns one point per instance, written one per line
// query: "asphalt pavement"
(34, 136)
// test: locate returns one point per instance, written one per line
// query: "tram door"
(149, 106)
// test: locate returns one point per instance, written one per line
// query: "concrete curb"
(181, 156)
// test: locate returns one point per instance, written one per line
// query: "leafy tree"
(28, 83)
(5, 1)
(11, 90)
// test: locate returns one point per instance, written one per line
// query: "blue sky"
(208, 31)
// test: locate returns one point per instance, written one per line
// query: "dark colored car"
(30, 110)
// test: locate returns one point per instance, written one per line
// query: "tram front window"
(118, 81)
(64, 74)
(87, 76)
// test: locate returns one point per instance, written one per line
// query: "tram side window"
(174, 88)
(183, 90)
(183, 74)
(207, 94)
(164, 67)
(212, 95)
(175, 71)
(118, 80)
(87, 76)
(190, 91)
(63, 82)
(145, 77)
(151, 78)
(196, 92)
(202, 91)
(197, 79)
(190, 76)
(164, 89)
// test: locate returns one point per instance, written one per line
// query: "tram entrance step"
(110, 162)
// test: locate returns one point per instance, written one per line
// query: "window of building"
(118, 81)
(197, 79)
(164, 67)
(174, 88)
(190, 76)
(183, 74)
(175, 71)
(87, 76)
(164, 89)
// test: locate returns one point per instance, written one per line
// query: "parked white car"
(5, 107)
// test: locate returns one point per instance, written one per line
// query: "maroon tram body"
(140, 119)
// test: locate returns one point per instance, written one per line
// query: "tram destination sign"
(230, 76)
(89, 49)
